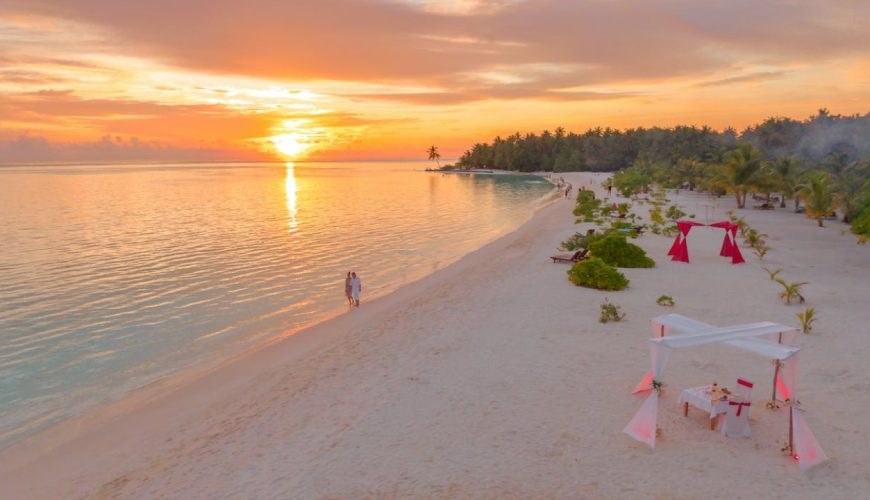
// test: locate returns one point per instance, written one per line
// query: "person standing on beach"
(355, 288)
(348, 292)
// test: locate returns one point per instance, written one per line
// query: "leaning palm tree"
(818, 196)
(739, 170)
(434, 155)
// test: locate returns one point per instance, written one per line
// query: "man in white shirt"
(355, 287)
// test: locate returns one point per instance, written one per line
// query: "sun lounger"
(638, 230)
(568, 258)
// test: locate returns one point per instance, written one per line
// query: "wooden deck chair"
(569, 258)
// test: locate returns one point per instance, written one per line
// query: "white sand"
(492, 378)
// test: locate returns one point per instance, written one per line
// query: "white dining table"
(702, 398)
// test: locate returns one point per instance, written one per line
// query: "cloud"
(28, 148)
(204, 131)
(464, 96)
(380, 40)
(180, 123)
(759, 76)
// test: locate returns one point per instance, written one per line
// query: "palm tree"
(853, 189)
(739, 170)
(818, 196)
(434, 155)
(786, 171)
(686, 171)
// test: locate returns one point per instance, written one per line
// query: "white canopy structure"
(675, 331)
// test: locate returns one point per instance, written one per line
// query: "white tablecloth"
(700, 398)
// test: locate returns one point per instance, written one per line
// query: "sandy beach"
(492, 378)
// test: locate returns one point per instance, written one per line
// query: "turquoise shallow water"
(113, 276)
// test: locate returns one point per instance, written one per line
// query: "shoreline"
(491, 377)
(172, 376)
(154, 392)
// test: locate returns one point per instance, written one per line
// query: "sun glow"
(292, 144)
(297, 138)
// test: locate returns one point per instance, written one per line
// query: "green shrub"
(595, 273)
(587, 206)
(610, 312)
(575, 242)
(614, 250)
(623, 208)
(674, 213)
(861, 227)
(666, 300)
(580, 240)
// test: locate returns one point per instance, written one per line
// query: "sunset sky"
(84, 80)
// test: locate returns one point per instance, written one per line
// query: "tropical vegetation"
(616, 251)
(434, 155)
(595, 273)
(610, 312)
(821, 164)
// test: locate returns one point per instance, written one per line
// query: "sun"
(291, 144)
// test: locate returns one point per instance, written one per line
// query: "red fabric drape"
(736, 256)
(729, 244)
(681, 254)
(726, 245)
(679, 251)
(675, 246)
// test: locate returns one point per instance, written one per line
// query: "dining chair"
(737, 416)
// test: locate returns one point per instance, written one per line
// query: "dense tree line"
(823, 161)
(829, 141)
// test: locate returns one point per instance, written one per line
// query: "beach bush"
(666, 300)
(655, 215)
(580, 240)
(861, 227)
(614, 250)
(674, 213)
(610, 312)
(587, 206)
(575, 242)
(595, 273)
(623, 208)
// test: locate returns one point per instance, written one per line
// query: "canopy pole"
(791, 430)
(775, 375)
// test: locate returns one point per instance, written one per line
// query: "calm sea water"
(114, 276)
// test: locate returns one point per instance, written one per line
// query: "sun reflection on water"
(290, 186)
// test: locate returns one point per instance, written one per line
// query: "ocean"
(114, 276)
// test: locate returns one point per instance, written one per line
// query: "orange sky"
(84, 80)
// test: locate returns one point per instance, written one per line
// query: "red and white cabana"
(680, 251)
(674, 331)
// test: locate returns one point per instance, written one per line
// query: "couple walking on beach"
(352, 288)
